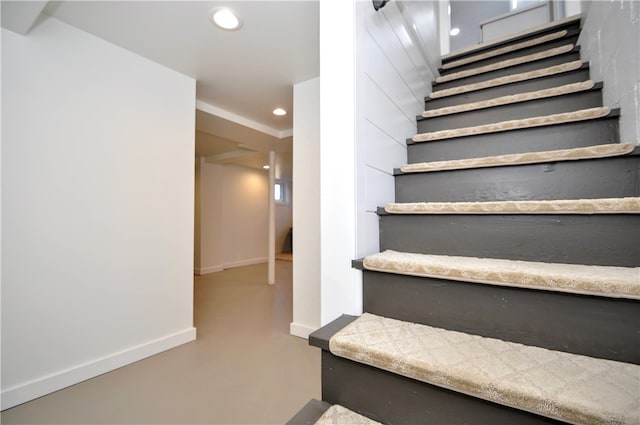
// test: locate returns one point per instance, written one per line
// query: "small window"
(278, 192)
(281, 192)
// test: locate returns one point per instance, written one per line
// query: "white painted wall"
(609, 41)
(97, 209)
(306, 208)
(396, 64)
(381, 62)
(233, 229)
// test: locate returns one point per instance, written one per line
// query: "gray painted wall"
(609, 40)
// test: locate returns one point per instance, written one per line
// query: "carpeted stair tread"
(589, 152)
(565, 117)
(630, 205)
(568, 387)
(339, 415)
(495, 42)
(506, 49)
(511, 99)
(607, 281)
(506, 63)
(508, 79)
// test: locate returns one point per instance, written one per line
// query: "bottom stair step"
(318, 412)
(556, 385)
(338, 415)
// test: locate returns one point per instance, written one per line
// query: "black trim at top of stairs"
(321, 337)
(513, 38)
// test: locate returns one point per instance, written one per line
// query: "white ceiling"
(241, 75)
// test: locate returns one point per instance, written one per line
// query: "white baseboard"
(218, 268)
(56, 381)
(247, 262)
(301, 331)
(210, 269)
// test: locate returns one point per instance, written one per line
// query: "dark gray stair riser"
(310, 413)
(394, 399)
(536, 139)
(575, 76)
(616, 177)
(533, 108)
(605, 239)
(516, 69)
(569, 38)
(592, 326)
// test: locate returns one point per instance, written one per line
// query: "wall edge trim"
(300, 330)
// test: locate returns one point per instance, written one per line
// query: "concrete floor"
(244, 367)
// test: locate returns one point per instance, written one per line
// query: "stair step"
(339, 415)
(590, 152)
(510, 99)
(550, 101)
(513, 38)
(395, 399)
(600, 239)
(463, 78)
(505, 50)
(605, 281)
(617, 176)
(566, 67)
(630, 205)
(577, 75)
(565, 117)
(565, 135)
(593, 326)
(506, 63)
(570, 37)
(558, 385)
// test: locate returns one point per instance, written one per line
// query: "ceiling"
(241, 75)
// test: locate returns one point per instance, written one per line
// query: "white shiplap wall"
(609, 41)
(397, 54)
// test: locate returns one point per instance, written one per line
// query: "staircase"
(507, 289)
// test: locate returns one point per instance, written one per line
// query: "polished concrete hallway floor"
(244, 368)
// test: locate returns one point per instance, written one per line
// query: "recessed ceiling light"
(279, 112)
(225, 18)
(454, 31)
(266, 167)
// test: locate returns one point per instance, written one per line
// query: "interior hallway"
(244, 367)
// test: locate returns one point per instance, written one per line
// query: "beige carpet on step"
(506, 63)
(589, 152)
(568, 387)
(608, 281)
(511, 99)
(628, 205)
(513, 78)
(338, 415)
(507, 49)
(565, 117)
